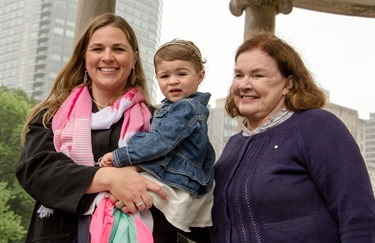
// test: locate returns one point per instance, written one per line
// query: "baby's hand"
(106, 160)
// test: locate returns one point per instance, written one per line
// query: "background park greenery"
(15, 204)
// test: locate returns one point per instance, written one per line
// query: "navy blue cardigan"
(301, 181)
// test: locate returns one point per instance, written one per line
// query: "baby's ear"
(202, 73)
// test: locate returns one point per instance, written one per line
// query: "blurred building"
(370, 147)
(145, 16)
(221, 126)
(36, 39)
(356, 126)
(370, 139)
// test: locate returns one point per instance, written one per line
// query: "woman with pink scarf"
(98, 101)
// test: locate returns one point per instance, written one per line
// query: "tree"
(13, 108)
(10, 223)
(15, 204)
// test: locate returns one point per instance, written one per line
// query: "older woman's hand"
(128, 186)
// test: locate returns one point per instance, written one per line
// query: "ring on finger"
(139, 203)
(121, 204)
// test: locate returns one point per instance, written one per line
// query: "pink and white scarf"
(73, 122)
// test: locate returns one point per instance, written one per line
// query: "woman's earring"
(85, 78)
(133, 78)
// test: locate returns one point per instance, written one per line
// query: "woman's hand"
(128, 186)
(118, 204)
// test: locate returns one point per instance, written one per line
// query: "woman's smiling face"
(109, 59)
(258, 87)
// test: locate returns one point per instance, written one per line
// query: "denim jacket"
(177, 150)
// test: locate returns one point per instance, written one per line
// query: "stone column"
(87, 9)
(260, 14)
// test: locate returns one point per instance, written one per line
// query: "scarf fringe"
(44, 212)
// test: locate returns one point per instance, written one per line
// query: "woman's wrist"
(102, 180)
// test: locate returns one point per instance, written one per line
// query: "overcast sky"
(339, 50)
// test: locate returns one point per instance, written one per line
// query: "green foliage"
(15, 204)
(10, 223)
(13, 109)
(21, 204)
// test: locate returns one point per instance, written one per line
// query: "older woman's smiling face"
(258, 87)
(109, 59)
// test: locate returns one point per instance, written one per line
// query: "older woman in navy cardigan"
(294, 173)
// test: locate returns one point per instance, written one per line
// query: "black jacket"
(55, 181)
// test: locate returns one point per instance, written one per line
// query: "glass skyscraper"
(36, 40)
